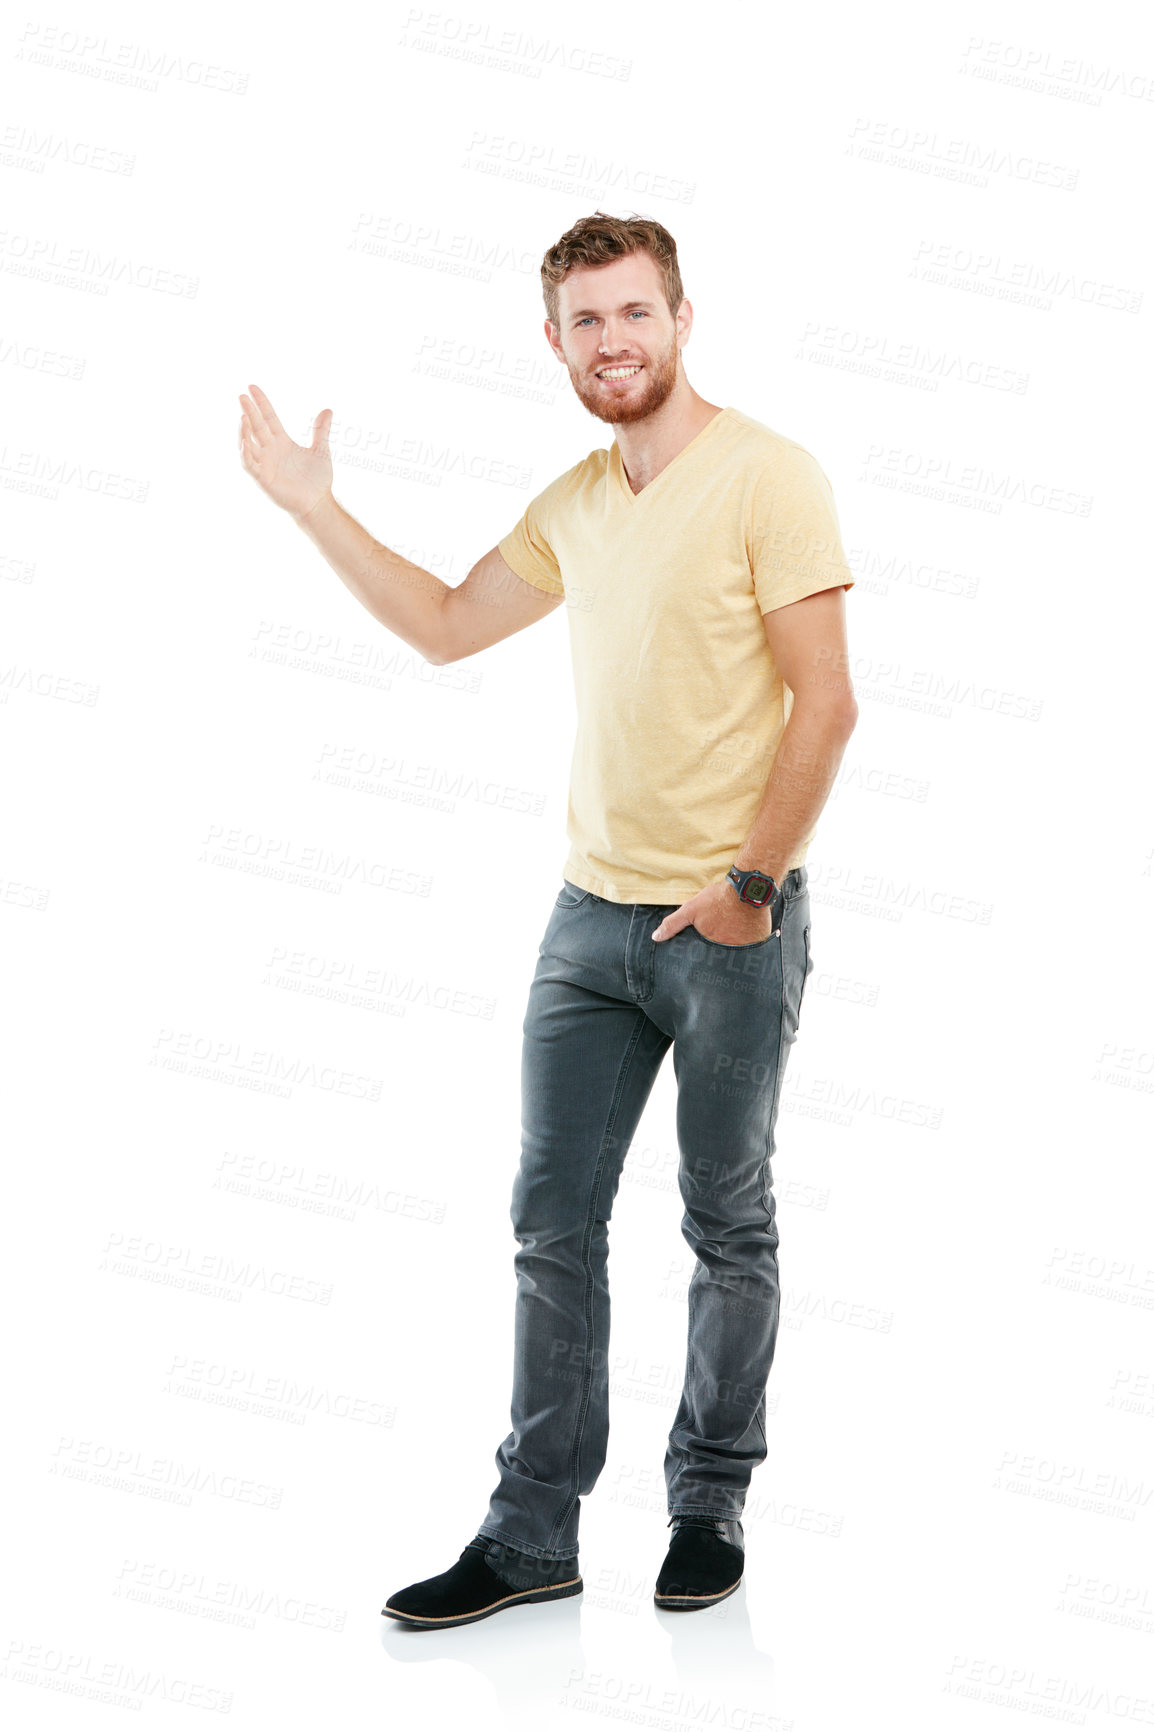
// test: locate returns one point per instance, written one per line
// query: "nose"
(610, 344)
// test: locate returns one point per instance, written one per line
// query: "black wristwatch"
(757, 888)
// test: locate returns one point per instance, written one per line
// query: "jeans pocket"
(570, 896)
(754, 943)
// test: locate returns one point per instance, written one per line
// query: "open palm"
(295, 477)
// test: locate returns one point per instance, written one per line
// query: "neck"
(646, 446)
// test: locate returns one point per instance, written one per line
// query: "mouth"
(614, 375)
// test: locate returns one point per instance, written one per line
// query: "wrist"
(745, 861)
(315, 513)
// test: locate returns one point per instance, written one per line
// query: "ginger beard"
(631, 399)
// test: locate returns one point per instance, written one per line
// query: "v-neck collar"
(618, 467)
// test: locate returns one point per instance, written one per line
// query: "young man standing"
(701, 560)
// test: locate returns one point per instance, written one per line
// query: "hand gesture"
(295, 477)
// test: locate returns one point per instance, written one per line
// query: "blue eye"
(639, 312)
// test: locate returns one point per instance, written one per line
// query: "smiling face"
(618, 338)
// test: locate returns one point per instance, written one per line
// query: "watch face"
(757, 890)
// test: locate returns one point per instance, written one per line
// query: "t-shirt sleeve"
(526, 549)
(793, 537)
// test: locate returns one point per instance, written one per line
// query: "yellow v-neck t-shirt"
(680, 706)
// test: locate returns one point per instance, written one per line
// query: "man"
(702, 563)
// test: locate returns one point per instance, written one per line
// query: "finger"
(258, 432)
(677, 917)
(268, 413)
(257, 424)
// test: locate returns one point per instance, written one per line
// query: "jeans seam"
(587, 1380)
(776, 1087)
(807, 970)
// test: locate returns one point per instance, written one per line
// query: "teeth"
(619, 372)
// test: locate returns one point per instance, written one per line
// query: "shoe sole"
(528, 1597)
(693, 1602)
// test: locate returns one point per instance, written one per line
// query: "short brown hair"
(598, 240)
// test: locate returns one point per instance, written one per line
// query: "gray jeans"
(606, 1003)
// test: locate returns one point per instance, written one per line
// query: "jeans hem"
(710, 1510)
(519, 1545)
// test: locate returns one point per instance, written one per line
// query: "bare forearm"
(798, 786)
(402, 596)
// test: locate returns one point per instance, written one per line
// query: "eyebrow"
(586, 312)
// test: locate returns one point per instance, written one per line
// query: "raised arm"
(491, 604)
(441, 622)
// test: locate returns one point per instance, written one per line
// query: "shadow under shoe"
(487, 1577)
(703, 1565)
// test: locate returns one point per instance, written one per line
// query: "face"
(616, 316)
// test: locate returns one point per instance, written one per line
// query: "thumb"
(321, 431)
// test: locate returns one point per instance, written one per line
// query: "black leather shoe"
(703, 1564)
(486, 1578)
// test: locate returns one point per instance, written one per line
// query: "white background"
(264, 1025)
